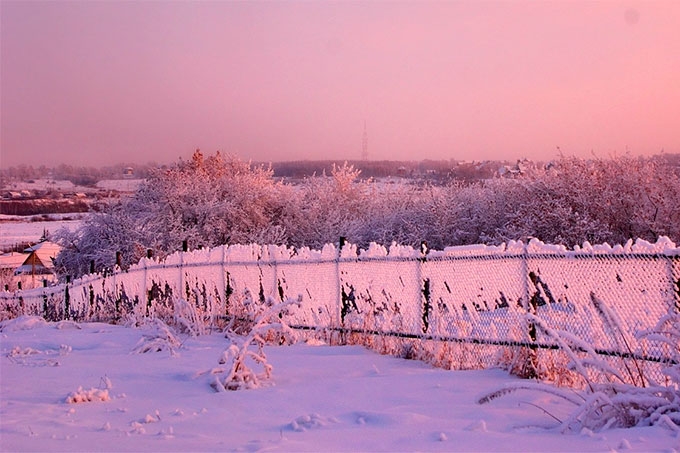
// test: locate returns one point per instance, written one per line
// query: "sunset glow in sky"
(91, 82)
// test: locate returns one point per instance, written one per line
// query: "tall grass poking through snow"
(614, 403)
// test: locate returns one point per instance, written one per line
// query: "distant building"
(520, 168)
(128, 172)
(29, 269)
(40, 259)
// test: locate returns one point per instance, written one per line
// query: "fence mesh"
(457, 309)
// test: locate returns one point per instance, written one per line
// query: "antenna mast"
(364, 144)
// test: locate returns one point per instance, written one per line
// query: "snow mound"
(18, 351)
(22, 323)
(310, 421)
(68, 325)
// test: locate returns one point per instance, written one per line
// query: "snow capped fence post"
(530, 304)
(92, 304)
(44, 299)
(339, 299)
(224, 291)
(114, 294)
(145, 289)
(181, 271)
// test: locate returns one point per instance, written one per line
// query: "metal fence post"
(181, 269)
(146, 293)
(424, 295)
(44, 297)
(531, 365)
(223, 281)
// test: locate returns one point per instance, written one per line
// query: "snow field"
(13, 232)
(322, 399)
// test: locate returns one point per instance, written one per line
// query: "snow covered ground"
(13, 231)
(321, 398)
(121, 185)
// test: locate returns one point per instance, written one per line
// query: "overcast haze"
(94, 83)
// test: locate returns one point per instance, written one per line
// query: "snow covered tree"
(328, 207)
(102, 238)
(204, 201)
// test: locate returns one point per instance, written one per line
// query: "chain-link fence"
(462, 308)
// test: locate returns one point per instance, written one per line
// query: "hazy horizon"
(100, 83)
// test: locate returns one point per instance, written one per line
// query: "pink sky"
(93, 82)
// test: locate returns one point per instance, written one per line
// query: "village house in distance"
(29, 269)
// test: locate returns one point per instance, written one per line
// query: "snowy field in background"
(321, 399)
(121, 185)
(13, 231)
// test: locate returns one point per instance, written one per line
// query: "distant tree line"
(78, 175)
(431, 171)
(215, 200)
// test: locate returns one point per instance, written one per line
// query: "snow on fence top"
(279, 253)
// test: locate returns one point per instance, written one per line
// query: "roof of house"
(45, 248)
(42, 255)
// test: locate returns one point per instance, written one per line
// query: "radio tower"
(364, 144)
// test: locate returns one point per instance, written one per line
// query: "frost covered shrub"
(601, 200)
(241, 367)
(157, 337)
(328, 207)
(188, 318)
